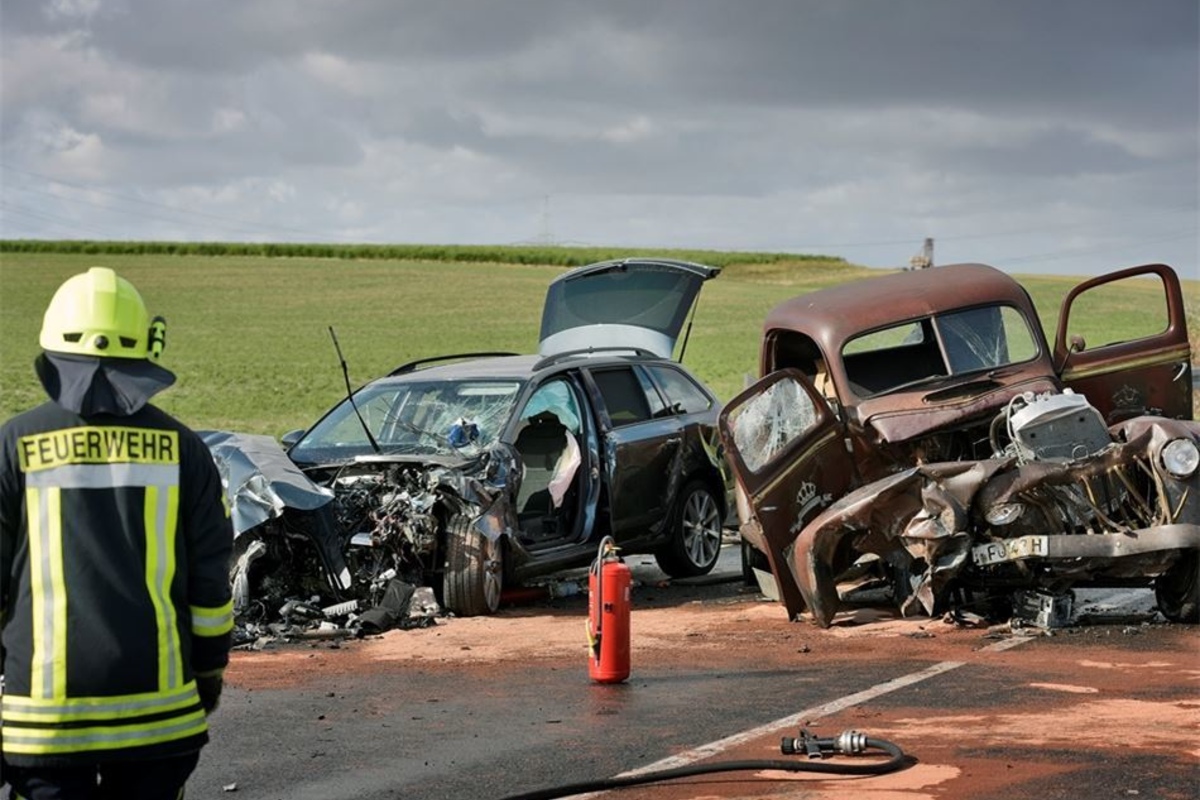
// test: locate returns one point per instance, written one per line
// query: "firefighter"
(115, 543)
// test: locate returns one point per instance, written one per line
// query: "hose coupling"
(847, 743)
(850, 742)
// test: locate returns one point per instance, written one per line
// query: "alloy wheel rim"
(701, 529)
(492, 572)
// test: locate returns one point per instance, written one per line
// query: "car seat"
(540, 443)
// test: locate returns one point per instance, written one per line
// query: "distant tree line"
(561, 256)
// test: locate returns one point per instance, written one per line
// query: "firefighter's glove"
(209, 686)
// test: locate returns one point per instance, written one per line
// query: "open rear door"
(632, 303)
(786, 451)
(1147, 373)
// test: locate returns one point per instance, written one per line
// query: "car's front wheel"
(474, 570)
(1178, 589)
(695, 539)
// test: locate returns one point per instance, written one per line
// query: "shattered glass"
(411, 417)
(981, 338)
(914, 352)
(765, 425)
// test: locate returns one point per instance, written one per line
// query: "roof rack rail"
(641, 352)
(421, 362)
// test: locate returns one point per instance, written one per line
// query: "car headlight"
(1004, 513)
(1181, 457)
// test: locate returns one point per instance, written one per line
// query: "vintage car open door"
(1148, 374)
(786, 449)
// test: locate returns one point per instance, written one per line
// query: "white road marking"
(816, 712)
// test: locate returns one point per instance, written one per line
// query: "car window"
(769, 422)
(556, 398)
(658, 404)
(982, 338)
(624, 397)
(682, 392)
(908, 333)
(1135, 306)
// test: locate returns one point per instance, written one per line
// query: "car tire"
(748, 578)
(474, 573)
(752, 559)
(695, 541)
(1178, 591)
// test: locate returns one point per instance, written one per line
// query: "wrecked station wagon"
(920, 428)
(468, 473)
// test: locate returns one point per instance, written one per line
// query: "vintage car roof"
(833, 315)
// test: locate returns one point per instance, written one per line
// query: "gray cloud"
(749, 125)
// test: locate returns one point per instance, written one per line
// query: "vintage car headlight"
(1181, 457)
(1004, 513)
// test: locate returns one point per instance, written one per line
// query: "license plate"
(1010, 550)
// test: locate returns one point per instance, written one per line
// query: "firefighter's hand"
(209, 687)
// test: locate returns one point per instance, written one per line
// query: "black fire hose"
(847, 743)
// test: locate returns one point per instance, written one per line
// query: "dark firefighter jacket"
(115, 543)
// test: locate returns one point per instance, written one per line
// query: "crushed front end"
(1066, 502)
(338, 543)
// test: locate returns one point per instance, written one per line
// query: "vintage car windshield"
(413, 417)
(955, 343)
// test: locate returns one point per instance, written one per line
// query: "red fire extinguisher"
(609, 589)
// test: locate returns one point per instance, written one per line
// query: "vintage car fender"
(875, 516)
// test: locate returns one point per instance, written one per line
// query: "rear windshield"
(657, 298)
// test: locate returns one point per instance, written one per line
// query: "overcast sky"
(1058, 136)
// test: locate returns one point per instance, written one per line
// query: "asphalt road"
(488, 708)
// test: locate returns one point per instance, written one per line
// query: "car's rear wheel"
(695, 539)
(474, 570)
(1178, 591)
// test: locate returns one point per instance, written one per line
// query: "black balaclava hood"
(89, 385)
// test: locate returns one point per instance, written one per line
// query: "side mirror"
(1078, 345)
(289, 439)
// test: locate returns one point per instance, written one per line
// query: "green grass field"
(248, 335)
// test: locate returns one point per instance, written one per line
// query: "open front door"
(1149, 373)
(786, 451)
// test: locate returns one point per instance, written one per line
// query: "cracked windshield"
(445, 417)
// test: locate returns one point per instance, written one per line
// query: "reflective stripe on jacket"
(114, 554)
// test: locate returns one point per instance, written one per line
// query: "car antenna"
(350, 392)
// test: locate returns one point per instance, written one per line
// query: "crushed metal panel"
(1081, 519)
(260, 480)
(375, 520)
(922, 510)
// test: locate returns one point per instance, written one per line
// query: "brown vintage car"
(920, 424)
